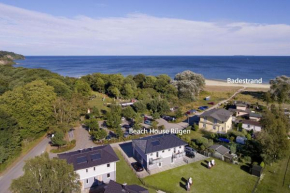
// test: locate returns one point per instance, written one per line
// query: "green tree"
(99, 134)
(114, 91)
(128, 112)
(113, 120)
(140, 107)
(119, 132)
(58, 139)
(31, 105)
(45, 175)
(139, 80)
(127, 91)
(82, 88)
(233, 148)
(93, 124)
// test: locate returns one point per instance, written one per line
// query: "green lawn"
(273, 176)
(125, 174)
(224, 177)
(98, 101)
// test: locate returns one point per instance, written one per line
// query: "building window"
(179, 146)
(157, 154)
(168, 149)
(94, 168)
(248, 126)
(159, 164)
(204, 125)
(87, 170)
(87, 181)
(151, 154)
(108, 165)
(108, 175)
(163, 151)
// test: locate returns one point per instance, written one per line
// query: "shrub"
(247, 159)
(262, 164)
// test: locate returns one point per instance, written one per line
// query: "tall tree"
(45, 175)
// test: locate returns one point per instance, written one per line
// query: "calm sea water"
(212, 67)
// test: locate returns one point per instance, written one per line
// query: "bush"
(262, 164)
(247, 159)
(201, 141)
(161, 127)
(195, 127)
(232, 139)
(213, 136)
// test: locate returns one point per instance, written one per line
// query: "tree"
(45, 175)
(233, 148)
(128, 112)
(127, 91)
(149, 82)
(99, 85)
(178, 113)
(82, 88)
(95, 112)
(139, 79)
(280, 89)
(156, 115)
(99, 134)
(189, 84)
(140, 107)
(60, 88)
(58, 139)
(31, 106)
(114, 91)
(113, 120)
(119, 132)
(92, 124)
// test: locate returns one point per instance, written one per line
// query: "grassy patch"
(273, 177)
(100, 101)
(125, 173)
(223, 177)
(70, 146)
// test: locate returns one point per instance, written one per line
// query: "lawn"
(98, 101)
(273, 177)
(224, 177)
(125, 174)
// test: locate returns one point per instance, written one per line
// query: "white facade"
(97, 170)
(250, 127)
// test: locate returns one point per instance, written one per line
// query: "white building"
(95, 166)
(251, 125)
(158, 151)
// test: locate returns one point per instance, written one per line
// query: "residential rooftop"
(219, 114)
(158, 142)
(90, 157)
(250, 122)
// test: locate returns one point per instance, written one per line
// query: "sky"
(151, 27)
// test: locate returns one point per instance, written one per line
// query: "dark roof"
(257, 168)
(220, 149)
(255, 115)
(250, 122)
(90, 157)
(114, 187)
(158, 142)
(219, 114)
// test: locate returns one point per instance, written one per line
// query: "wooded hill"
(7, 58)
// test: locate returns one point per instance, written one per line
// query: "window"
(157, 154)
(94, 168)
(108, 165)
(159, 164)
(87, 181)
(151, 154)
(204, 125)
(163, 151)
(179, 146)
(87, 170)
(215, 121)
(168, 149)
(108, 175)
(248, 126)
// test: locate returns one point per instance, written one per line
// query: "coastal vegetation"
(7, 58)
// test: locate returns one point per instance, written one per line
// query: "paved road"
(16, 170)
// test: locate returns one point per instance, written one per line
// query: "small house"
(221, 152)
(207, 98)
(255, 116)
(251, 125)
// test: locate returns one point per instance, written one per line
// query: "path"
(16, 171)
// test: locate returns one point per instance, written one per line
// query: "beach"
(224, 83)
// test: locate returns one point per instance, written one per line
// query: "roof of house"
(114, 187)
(219, 114)
(255, 115)
(90, 157)
(250, 122)
(257, 168)
(241, 105)
(220, 149)
(238, 110)
(158, 142)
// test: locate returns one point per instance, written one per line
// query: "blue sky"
(160, 27)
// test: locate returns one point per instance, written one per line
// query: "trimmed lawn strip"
(223, 177)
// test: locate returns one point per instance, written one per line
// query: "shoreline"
(211, 82)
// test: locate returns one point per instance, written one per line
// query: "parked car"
(189, 149)
(108, 137)
(147, 122)
(203, 108)
(137, 166)
(126, 126)
(224, 140)
(211, 103)
(190, 154)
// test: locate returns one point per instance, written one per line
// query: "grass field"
(224, 177)
(273, 178)
(125, 174)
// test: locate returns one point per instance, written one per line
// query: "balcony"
(177, 155)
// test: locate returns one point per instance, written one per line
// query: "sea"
(211, 67)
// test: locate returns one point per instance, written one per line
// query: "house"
(255, 116)
(241, 140)
(95, 166)
(221, 152)
(239, 112)
(114, 187)
(251, 125)
(158, 150)
(216, 120)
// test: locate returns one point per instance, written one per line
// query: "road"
(16, 170)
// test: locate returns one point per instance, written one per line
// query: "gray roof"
(249, 122)
(90, 157)
(219, 114)
(158, 142)
(255, 115)
(114, 187)
(220, 149)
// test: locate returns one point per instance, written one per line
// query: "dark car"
(190, 154)
(126, 135)
(224, 140)
(211, 103)
(137, 166)
(126, 126)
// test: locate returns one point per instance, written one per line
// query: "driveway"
(169, 126)
(16, 171)
(83, 139)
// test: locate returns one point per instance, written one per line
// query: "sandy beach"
(224, 83)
